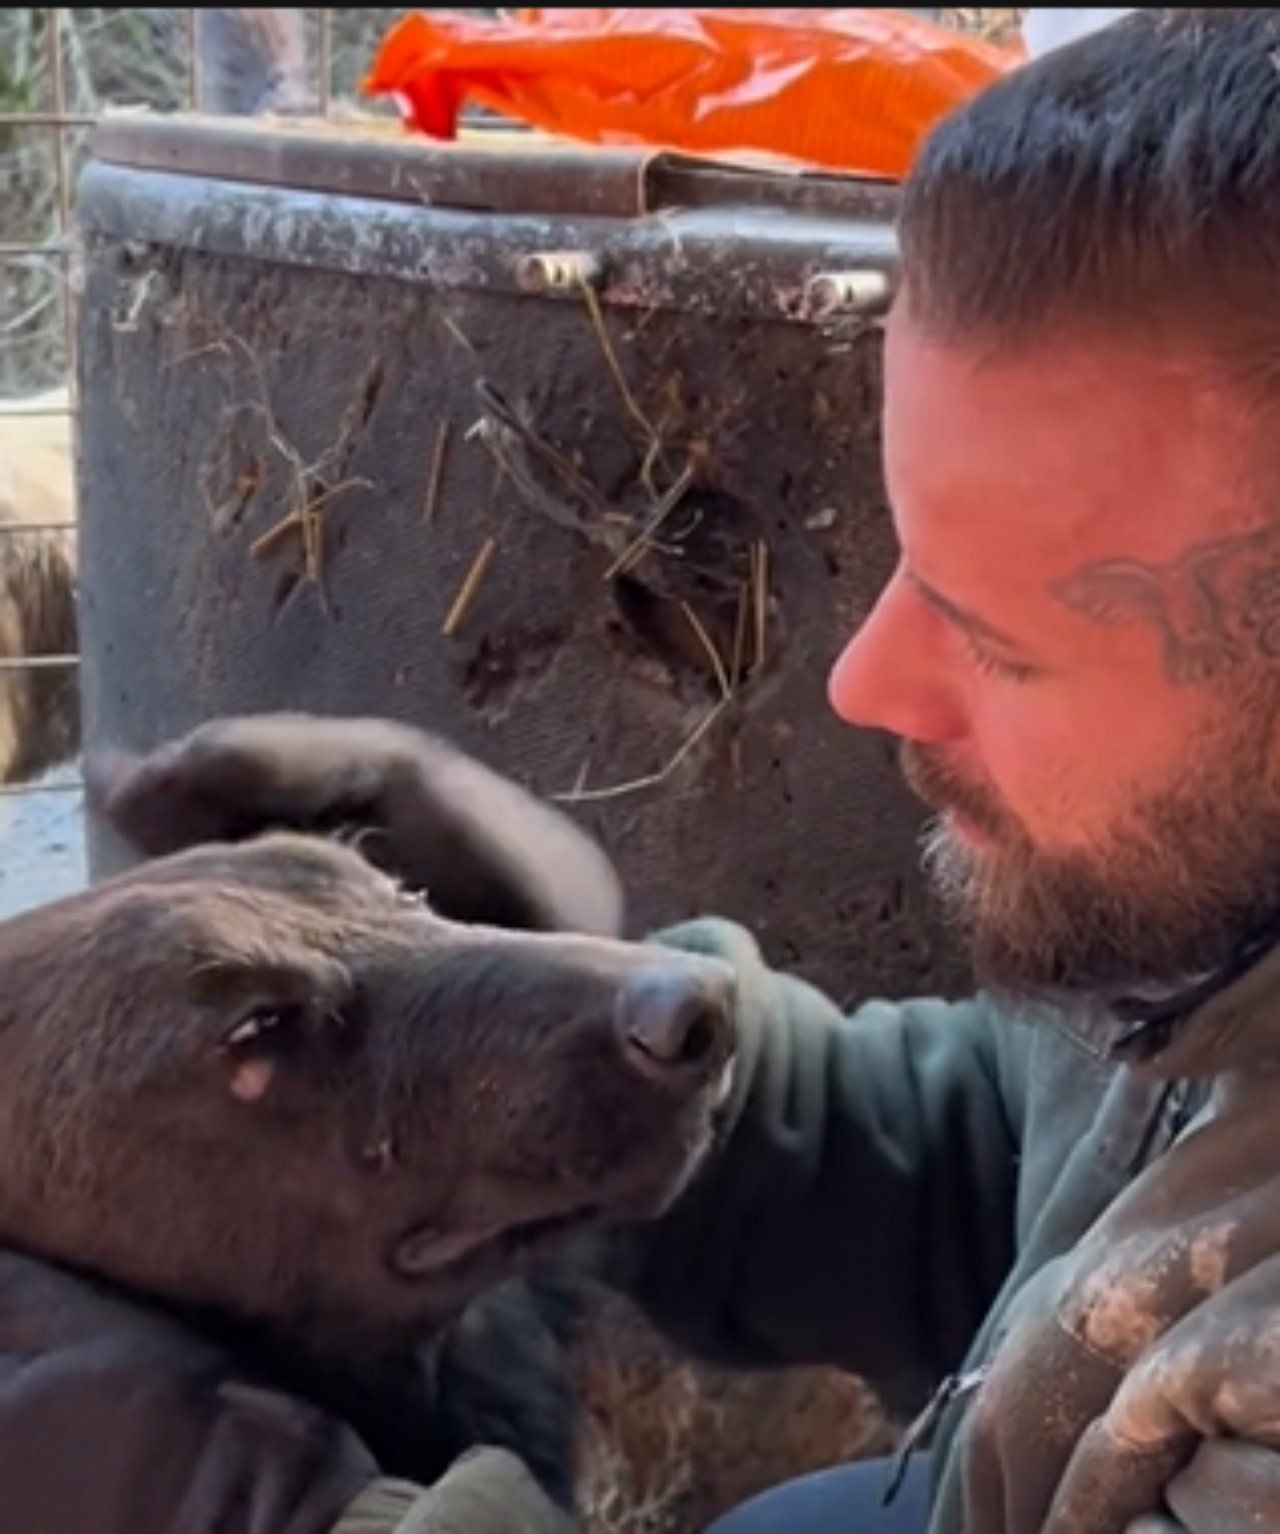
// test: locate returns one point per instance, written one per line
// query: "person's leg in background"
(846, 1500)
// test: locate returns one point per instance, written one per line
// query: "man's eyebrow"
(962, 618)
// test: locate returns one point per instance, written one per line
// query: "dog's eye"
(260, 1042)
(262, 1027)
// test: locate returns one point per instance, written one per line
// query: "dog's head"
(267, 1080)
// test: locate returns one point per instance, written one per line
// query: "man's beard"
(1184, 880)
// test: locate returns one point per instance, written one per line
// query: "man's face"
(1080, 650)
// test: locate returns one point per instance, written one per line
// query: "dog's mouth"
(430, 1253)
(458, 1260)
(469, 1258)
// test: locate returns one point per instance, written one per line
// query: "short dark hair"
(1128, 182)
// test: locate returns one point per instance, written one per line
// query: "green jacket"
(893, 1181)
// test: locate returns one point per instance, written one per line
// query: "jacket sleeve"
(135, 1430)
(125, 1433)
(860, 1211)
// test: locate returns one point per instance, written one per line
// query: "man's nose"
(893, 675)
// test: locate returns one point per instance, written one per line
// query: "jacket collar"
(1223, 1021)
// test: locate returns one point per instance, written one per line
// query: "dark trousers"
(846, 1500)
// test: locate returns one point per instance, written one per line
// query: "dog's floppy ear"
(480, 847)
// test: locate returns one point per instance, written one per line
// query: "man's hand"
(1192, 1438)
(480, 847)
(1230, 1487)
(487, 1491)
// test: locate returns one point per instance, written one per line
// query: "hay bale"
(669, 1445)
(39, 707)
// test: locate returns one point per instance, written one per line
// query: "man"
(1080, 652)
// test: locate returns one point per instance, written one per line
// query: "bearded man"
(1052, 1211)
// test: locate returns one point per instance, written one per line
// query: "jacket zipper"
(1178, 1104)
(953, 1388)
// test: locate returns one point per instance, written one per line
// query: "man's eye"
(988, 665)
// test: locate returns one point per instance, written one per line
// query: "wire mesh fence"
(59, 68)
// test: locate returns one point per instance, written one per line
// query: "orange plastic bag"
(842, 90)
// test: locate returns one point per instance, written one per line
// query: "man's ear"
(480, 847)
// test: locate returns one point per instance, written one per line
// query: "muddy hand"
(479, 846)
(1191, 1440)
(1228, 1488)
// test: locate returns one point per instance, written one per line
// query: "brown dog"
(269, 1092)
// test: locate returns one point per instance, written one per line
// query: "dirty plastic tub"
(571, 455)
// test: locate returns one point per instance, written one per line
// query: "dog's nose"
(676, 1022)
